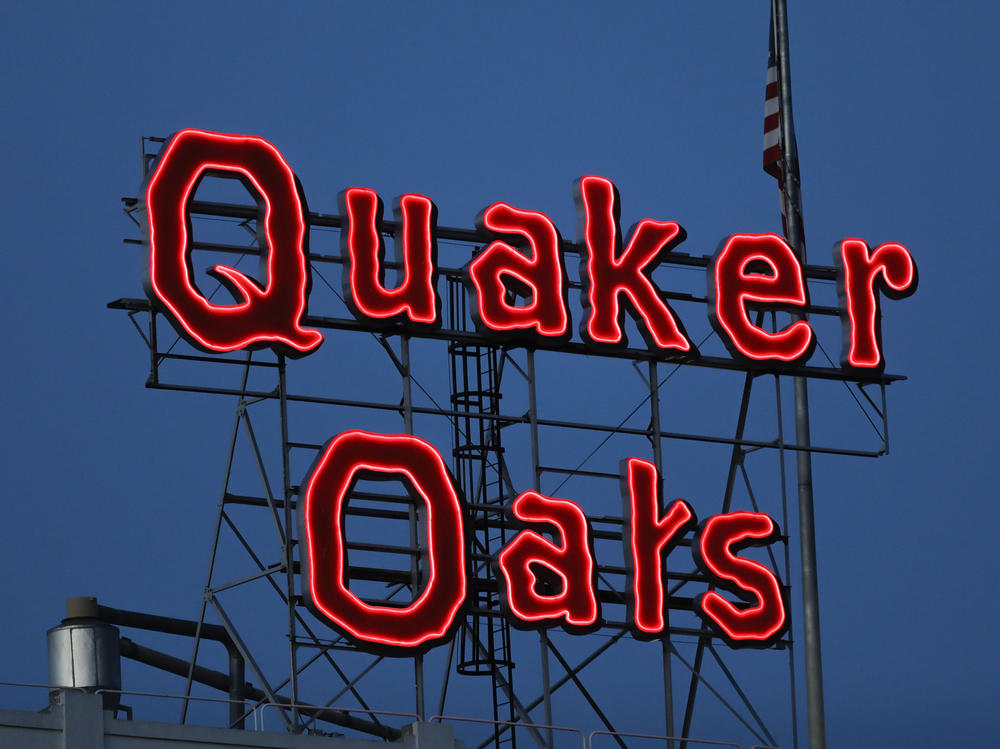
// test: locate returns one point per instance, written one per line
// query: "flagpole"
(807, 527)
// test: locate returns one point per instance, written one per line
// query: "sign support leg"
(418, 661)
(791, 195)
(543, 639)
(288, 552)
(656, 439)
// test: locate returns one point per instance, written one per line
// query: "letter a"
(571, 563)
(501, 272)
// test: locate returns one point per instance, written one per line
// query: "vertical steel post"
(230, 454)
(668, 682)
(807, 527)
(788, 560)
(288, 553)
(154, 355)
(735, 461)
(418, 661)
(543, 639)
(237, 688)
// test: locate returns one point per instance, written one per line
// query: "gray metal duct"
(84, 652)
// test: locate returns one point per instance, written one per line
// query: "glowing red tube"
(501, 269)
(264, 315)
(649, 538)
(735, 282)
(762, 620)
(609, 274)
(363, 250)
(572, 562)
(354, 455)
(861, 275)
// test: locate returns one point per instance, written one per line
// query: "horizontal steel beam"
(221, 681)
(791, 447)
(570, 347)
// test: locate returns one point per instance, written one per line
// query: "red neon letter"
(572, 562)
(263, 315)
(364, 251)
(609, 273)
(736, 284)
(357, 454)
(501, 269)
(649, 538)
(762, 621)
(861, 275)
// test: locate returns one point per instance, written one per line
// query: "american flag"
(774, 148)
(772, 114)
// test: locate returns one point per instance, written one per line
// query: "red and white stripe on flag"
(772, 124)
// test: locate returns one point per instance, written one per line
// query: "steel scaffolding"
(493, 402)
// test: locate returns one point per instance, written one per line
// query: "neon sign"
(735, 286)
(572, 561)
(610, 274)
(861, 276)
(648, 539)
(355, 455)
(540, 277)
(750, 271)
(518, 292)
(264, 315)
(364, 251)
(531, 600)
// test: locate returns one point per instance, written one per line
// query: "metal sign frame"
(480, 376)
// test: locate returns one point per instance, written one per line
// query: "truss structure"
(510, 418)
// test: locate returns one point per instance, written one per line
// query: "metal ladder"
(476, 371)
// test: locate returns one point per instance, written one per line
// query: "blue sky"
(111, 488)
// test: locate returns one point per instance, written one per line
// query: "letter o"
(356, 454)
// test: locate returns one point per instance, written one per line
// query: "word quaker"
(749, 270)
